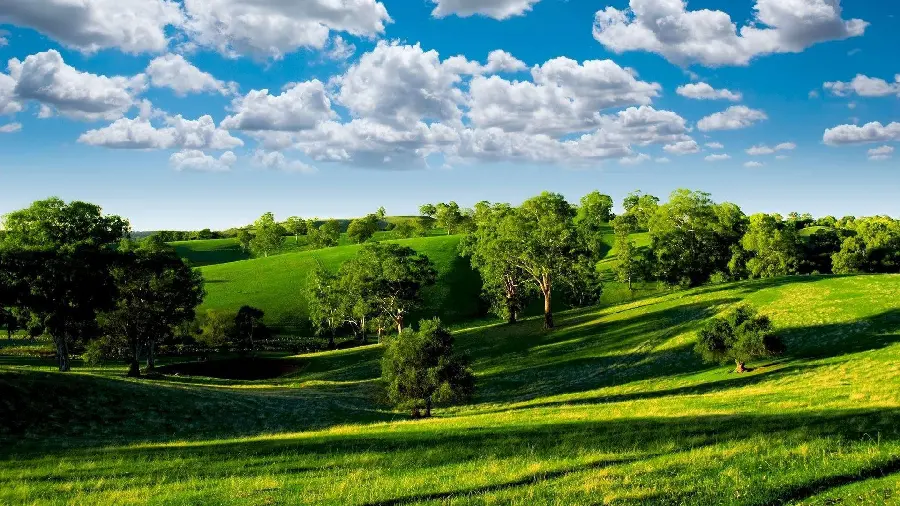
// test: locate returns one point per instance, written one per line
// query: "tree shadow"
(801, 492)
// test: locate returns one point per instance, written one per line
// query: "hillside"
(278, 284)
(613, 407)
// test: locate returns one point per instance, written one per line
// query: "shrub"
(741, 336)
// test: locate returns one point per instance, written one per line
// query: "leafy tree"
(55, 264)
(594, 213)
(248, 328)
(421, 369)
(327, 235)
(245, 238)
(627, 255)
(362, 229)
(268, 238)
(155, 293)
(296, 227)
(775, 247)
(819, 250)
(875, 248)
(742, 335)
(206, 234)
(217, 330)
(546, 243)
(327, 307)
(409, 228)
(491, 249)
(449, 216)
(642, 207)
(428, 210)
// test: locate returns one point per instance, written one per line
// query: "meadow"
(613, 407)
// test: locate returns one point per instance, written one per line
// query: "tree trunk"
(399, 320)
(512, 317)
(331, 344)
(416, 413)
(134, 368)
(548, 312)
(428, 407)
(363, 326)
(151, 357)
(740, 367)
(62, 353)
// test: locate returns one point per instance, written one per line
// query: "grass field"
(611, 408)
(278, 284)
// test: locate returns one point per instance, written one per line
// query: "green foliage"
(641, 207)
(326, 303)
(448, 216)
(594, 213)
(875, 247)
(248, 329)
(325, 236)
(52, 223)
(268, 235)
(363, 229)
(421, 369)
(742, 335)
(628, 267)
(775, 247)
(216, 330)
(296, 227)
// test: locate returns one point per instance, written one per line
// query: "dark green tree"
(742, 335)
(421, 369)
(296, 227)
(362, 229)
(775, 247)
(249, 328)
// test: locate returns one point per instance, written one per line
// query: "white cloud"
(501, 61)
(179, 133)
(703, 91)
(563, 97)
(762, 149)
(132, 26)
(340, 49)
(275, 28)
(717, 158)
(10, 128)
(715, 145)
(497, 9)
(868, 133)
(682, 148)
(173, 71)
(663, 160)
(401, 85)
(46, 78)
(813, 94)
(276, 160)
(8, 103)
(635, 159)
(754, 165)
(4, 38)
(193, 159)
(880, 154)
(733, 118)
(782, 157)
(865, 86)
(300, 107)
(711, 38)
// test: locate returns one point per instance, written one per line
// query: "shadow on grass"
(808, 490)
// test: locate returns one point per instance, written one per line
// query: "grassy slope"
(613, 407)
(278, 284)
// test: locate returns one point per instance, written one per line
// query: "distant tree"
(362, 229)
(642, 207)
(827, 221)
(206, 234)
(594, 213)
(421, 369)
(327, 235)
(327, 309)
(742, 335)
(449, 217)
(775, 247)
(245, 239)
(819, 250)
(627, 255)
(296, 227)
(268, 238)
(55, 265)
(491, 248)
(428, 210)
(409, 228)
(248, 328)
(874, 248)
(217, 330)
(155, 293)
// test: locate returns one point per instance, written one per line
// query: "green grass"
(611, 408)
(278, 284)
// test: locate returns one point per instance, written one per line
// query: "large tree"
(156, 293)
(642, 207)
(546, 243)
(362, 229)
(249, 328)
(296, 227)
(742, 335)
(268, 238)
(56, 264)
(594, 214)
(422, 370)
(775, 247)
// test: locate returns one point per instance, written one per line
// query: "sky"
(207, 113)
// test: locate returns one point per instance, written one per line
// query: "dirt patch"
(235, 368)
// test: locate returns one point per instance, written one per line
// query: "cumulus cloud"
(276, 160)
(865, 86)
(717, 158)
(10, 128)
(868, 133)
(733, 118)
(272, 29)
(193, 159)
(46, 78)
(9, 105)
(682, 148)
(715, 145)
(635, 159)
(762, 149)
(880, 154)
(132, 26)
(754, 165)
(179, 133)
(4, 38)
(340, 49)
(712, 38)
(497, 9)
(173, 71)
(703, 91)
(300, 107)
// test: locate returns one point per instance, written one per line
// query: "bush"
(741, 336)
(421, 370)
(104, 349)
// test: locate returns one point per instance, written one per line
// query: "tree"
(248, 327)
(421, 369)
(448, 216)
(875, 247)
(327, 235)
(546, 243)
(362, 229)
(55, 264)
(268, 238)
(627, 255)
(775, 247)
(593, 214)
(155, 293)
(326, 303)
(409, 228)
(642, 207)
(819, 250)
(245, 238)
(491, 248)
(742, 335)
(395, 277)
(296, 227)
(217, 330)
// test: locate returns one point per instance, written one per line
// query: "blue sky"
(397, 103)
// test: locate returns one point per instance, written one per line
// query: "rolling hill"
(612, 407)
